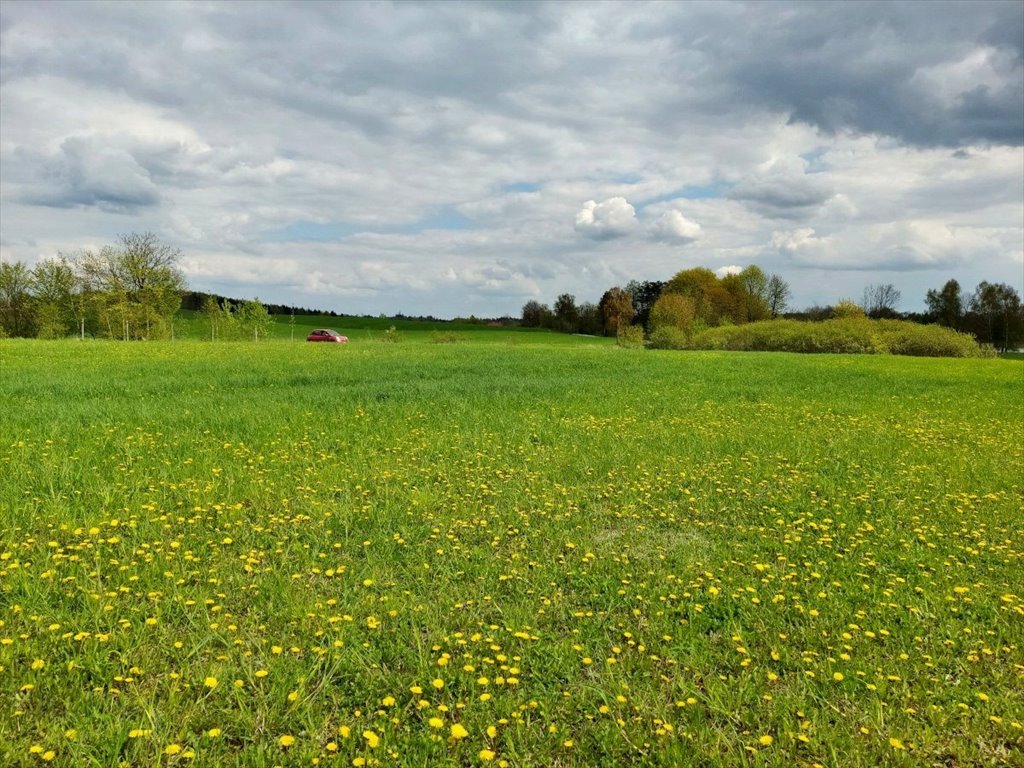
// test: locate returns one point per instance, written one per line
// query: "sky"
(463, 158)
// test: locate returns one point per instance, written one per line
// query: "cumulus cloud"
(611, 218)
(907, 246)
(673, 227)
(732, 269)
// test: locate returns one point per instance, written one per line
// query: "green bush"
(630, 336)
(390, 335)
(849, 335)
(668, 337)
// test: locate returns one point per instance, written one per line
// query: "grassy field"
(521, 549)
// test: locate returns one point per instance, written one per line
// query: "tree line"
(669, 312)
(127, 291)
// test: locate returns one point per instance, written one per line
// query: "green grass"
(193, 325)
(608, 557)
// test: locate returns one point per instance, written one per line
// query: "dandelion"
(38, 664)
(213, 733)
(896, 744)
(765, 741)
(286, 741)
(486, 755)
(172, 749)
(210, 682)
(458, 732)
(435, 722)
(372, 739)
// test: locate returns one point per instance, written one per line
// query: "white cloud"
(608, 219)
(732, 269)
(672, 226)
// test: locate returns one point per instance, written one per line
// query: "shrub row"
(845, 336)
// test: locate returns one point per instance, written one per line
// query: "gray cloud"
(926, 74)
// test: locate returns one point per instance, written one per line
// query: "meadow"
(515, 550)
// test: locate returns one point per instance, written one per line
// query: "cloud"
(87, 173)
(608, 219)
(365, 152)
(890, 69)
(783, 190)
(915, 245)
(732, 269)
(673, 227)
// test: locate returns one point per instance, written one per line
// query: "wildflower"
(172, 749)
(372, 739)
(765, 741)
(896, 744)
(210, 682)
(213, 733)
(286, 741)
(38, 664)
(458, 732)
(435, 722)
(486, 755)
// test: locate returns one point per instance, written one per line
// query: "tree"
(213, 315)
(137, 282)
(998, 317)
(644, 295)
(254, 318)
(566, 314)
(847, 308)
(881, 300)
(16, 301)
(54, 286)
(778, 295)
(946, 306)
(616, 308)
(533, 312)
(712, 302)
(754, 305)
(673, 310)
(590, 320)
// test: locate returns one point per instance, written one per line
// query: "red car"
(326, 334)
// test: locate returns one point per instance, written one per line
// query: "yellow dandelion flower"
(372, 739)
(172, 749)
(286, 741)
(458, 732)
(435, 722)
(896, 744)
(765, 741)
(38, 664)
(486, 755)
(210, 682)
